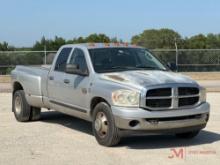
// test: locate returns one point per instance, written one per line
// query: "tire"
(35, 114)
(103, 121)
(20, 107)
(188, 135)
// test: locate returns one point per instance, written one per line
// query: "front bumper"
(181, 120)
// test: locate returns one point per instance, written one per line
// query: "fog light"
(134, 123)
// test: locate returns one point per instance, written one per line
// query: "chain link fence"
(9, 59)
(198, 60)
(191, 60)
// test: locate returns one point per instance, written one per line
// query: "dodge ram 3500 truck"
(122, 89)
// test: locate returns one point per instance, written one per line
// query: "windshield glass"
(122, 59)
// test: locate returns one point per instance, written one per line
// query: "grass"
(5, 79)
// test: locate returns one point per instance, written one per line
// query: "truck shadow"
(169, 141)
(67, 121)
(136, 142)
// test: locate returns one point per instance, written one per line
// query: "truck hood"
(140, 79)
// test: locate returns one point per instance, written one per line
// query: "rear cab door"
(56, 75)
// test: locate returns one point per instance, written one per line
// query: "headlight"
(202, 94)
(125, 98)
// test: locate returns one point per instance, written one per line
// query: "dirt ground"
(61, 139)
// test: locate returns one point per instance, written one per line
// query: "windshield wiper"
(122, 67)
(150, 67)
(118, 68)
(113, 68)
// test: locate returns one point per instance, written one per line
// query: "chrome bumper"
(156, 121)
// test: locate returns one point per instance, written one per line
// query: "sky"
(22, 22)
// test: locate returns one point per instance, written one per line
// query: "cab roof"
(104, 45)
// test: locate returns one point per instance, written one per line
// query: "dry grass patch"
(5, 79)
(203, 75)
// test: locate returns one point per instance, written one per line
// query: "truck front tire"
(104, 128)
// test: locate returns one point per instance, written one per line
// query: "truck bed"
(34, 82)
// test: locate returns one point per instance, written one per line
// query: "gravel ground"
(61, 139)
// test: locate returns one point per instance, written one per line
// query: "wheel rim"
(18, 104)
(101, 124)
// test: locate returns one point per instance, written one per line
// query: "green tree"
(197, 42)
(93, 38)
(6, 47)
(153, 39)
(53, 44)
(76, 40)
(57, 43)
(212, 41)
(39, 45)
(97, 38)
(116, 40)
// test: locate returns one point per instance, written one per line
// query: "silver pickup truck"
(122, 89)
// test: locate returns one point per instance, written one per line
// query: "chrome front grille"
(182, 91)
(171, 98)
(188, 101)
(159, 92)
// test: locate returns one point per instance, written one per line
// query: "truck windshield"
(123, 59)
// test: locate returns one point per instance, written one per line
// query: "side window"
(78, 58)
(62, 59)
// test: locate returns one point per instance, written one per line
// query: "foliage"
(153, 39)
(166, 38)
(49, 44)
(57, 42)
(5, 47)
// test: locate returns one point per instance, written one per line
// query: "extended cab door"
(56, 76)
(76, 86)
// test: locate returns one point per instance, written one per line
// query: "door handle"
(66, 81)
(51, 78)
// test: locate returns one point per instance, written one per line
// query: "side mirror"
(74, 69)
(172, 66)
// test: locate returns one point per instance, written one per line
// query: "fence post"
(218, 59)
(45, 55)
(176, 46)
